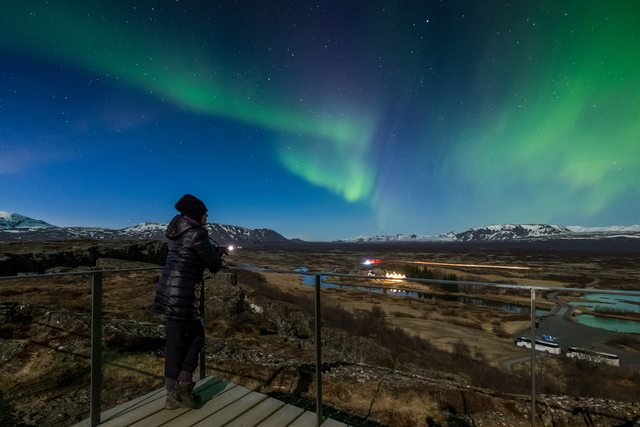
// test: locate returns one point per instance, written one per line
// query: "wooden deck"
(223, 404)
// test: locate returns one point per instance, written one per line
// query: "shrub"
(450, 287)
(399, 419)
(516, 317)
(465, 323)
(500, 331)
(416, 272)
(461, 350)
(625, 341)
(401, 314)
(450, 312)
(613, 310)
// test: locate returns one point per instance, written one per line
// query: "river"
(591, 300)
(310, 280)
(625, 302)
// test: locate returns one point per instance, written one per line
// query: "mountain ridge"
(510, 233)
(18, 228)
(9, 221)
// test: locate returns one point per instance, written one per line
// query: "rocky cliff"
(37, 257)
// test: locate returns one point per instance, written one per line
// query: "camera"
(224, 250)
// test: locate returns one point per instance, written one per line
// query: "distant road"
(509, 363)
(593, 283)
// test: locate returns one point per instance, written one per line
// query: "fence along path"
(224, 404)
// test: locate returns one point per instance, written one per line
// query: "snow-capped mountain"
(14, 227)
(505, 232)
(614, 229)
(511, 232)
(11, 220)
(397, 238)
(221, 233)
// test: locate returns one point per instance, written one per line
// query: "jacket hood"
(178, 226)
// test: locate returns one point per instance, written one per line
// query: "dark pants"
(185, 339)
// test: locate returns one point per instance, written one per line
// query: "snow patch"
(17, 221)
(615, 228)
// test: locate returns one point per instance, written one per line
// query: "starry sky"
(322, 120)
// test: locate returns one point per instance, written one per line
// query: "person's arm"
(208, 253)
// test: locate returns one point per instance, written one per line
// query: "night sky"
(322, 120)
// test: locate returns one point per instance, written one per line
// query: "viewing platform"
(223, 404)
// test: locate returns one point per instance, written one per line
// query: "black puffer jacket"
(180, 285)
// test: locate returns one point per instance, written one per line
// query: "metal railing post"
(318, 353)
(96, 347)
(533, 357)
(202, 352)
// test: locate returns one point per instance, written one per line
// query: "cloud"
(19, 157)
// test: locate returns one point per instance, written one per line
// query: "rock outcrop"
(37, 257)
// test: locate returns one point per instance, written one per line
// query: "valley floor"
(44, 346)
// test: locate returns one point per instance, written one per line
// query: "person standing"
(178, 298)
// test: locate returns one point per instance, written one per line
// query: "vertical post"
(318, 354)
(202, 352)
(96, 347)
(533, 357)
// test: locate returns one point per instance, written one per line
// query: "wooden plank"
(134, 416)
(125, 407)
(329, 422)
(283, 417)
(234, 410)
(210, 407)
(160, 418)
(223, 404)
(138, 402)
(164, 415)
(308, 419)
(209, 386)
(258, 414)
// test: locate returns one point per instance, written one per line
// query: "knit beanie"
(191, 206)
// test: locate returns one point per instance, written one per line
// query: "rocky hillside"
(37, 257)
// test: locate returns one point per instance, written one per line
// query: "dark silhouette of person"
(178, 297)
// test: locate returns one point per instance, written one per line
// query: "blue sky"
(321, 120)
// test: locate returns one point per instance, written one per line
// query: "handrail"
(96, 330)
(96, 348)
(96, 321)
(78, 273)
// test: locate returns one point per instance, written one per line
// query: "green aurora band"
(563, 133)
(567, 136)
(106, 43)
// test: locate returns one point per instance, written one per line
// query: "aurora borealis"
(322, 120)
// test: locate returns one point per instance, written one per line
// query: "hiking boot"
(183, 394)
(172, 404)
